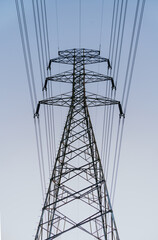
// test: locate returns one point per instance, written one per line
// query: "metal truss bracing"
(77, 201)
(90, 77)
(90, 57)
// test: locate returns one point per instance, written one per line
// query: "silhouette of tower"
(77, 203)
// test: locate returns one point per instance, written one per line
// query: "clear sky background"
(136, 197)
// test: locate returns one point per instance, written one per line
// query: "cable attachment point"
(37, 110)
(36, 115)
(114, 88)
(49, 66)
(109, 65)
(113, 85)
(45, 85)
(122, 115)
(121, 111)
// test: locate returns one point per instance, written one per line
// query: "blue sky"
(136, 197)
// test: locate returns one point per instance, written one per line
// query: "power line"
(47, 34)
(112, 112)
(117, 162)
(107, 112)
(40, 37)
(115, 157)
(101, 25)
(57, 22)
(41, 152)
(25, 54)
(115, 27)
(38, 45)
(29, 52)
(39, 160)
(130, 50)
(42, 74)
(31, 83)
(121, 42)
(135, 51)
(129, 84)
(44, 34)
(112, 26)
(118, 37)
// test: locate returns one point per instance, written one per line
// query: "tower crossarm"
(93, 100)
(90, 57)
(90, 77)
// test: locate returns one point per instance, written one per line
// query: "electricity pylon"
(77, 203)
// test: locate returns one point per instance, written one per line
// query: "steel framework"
(77, 200)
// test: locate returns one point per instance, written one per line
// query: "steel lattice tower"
(77, 200)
